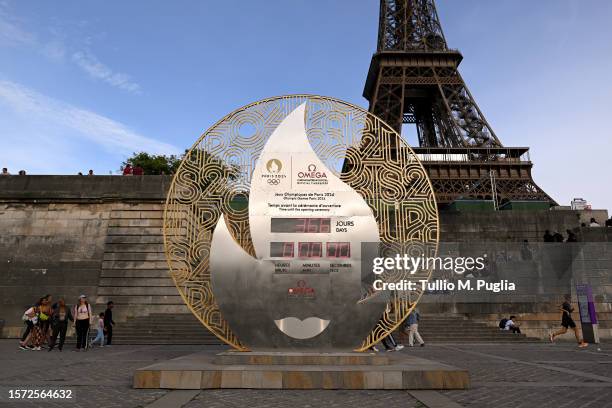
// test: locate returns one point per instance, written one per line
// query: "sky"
(85, 84)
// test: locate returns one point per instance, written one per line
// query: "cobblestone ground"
(503, 375)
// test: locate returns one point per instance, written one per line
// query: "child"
(100, 334)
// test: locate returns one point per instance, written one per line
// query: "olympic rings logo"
(274, 182)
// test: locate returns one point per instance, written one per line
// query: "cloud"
(112, 135)
(94, 68)
(12, 35)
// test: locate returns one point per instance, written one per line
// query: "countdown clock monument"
(270, 226)
(269, 214)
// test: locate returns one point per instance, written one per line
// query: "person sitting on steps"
(512, 326)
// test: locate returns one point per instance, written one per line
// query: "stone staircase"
(135, 276)
(161, 328)
(134, 270)
(457, 329)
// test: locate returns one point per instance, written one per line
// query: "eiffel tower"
(414, 79)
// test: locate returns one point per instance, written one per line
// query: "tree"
(162, 164)
(153, 164)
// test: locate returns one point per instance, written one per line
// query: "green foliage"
(153, 164)
(162, 164)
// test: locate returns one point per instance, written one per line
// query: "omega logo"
(312, 173)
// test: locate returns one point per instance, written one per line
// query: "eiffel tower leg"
(388, 103)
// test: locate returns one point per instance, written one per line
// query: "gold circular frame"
(365, 151)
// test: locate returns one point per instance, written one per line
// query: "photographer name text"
(444, 285)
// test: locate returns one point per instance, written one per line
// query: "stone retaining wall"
(101, 235)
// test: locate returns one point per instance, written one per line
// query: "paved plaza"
(503, 375)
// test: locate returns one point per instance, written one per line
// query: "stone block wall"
(592, 265)
(54, 248)
(71, 235)
(101, 236)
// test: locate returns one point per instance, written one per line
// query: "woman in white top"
(30, 317)
(82, 317)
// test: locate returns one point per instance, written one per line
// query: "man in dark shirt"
(108, 322)
(567, 322)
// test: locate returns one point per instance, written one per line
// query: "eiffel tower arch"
(414, 79)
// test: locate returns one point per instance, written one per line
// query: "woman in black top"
(59, 324)
(567, 322)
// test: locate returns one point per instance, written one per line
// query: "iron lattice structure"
(414, 79)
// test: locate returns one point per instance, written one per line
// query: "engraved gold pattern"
(215, 176)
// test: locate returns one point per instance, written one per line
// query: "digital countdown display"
(310, 249)
(305, 249)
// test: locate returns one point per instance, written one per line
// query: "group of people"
(410, 328)
(571, 235)
(5, 172)
(567, 322)
(45, 321)
(128, 170)
(558, 237)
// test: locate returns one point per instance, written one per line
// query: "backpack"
(502, 323)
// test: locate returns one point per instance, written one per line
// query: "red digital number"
(313, 225)
(288, 250)
(338, 250)
(310, 249)
(325, 225)
(300, 225)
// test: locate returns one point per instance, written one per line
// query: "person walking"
(100, 331)
(568, 323)
(59, 324)
(109, 322)
(82, 315)
(30, 318)
(412, 324)
(390, 344)
(36, 335)
(44, 317)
